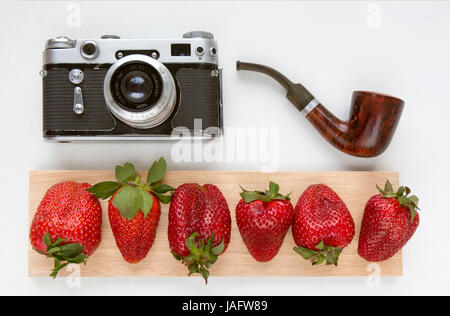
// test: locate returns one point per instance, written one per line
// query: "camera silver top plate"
(62, 50)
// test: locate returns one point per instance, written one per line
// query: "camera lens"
(136, 86)
(140, 91)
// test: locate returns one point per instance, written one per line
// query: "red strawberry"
(323, 226)
(134, 236)
(67, 225)
(264, 219)
(199, 226)
(390, 220)
(134, 209)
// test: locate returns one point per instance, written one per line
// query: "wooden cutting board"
(355, 188)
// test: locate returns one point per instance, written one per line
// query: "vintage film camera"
(114, 88)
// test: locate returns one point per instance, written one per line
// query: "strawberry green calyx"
(130, 195)
(203, 255)
(62, 254)
(329, 255)
(402, 196)
(267, 196)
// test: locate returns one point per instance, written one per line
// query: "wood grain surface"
(355, 188)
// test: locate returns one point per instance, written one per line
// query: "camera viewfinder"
(181, 49)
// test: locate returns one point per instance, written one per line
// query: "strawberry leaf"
(202, 255)
(414, 200)
(179, 258)
(380, 190)
(53, 251)
(320, 259)
(147, 201)
(71, 250)
(63, 255)
(332, 256)
(58, 268)
(104, 190)
(157, 171)
(321, 246)
(273, 189)
(47, 240)
(204, 273)
(58, 242)
(128, 201)
(218, 249)
(329, 259)
(267, 196)
(329, 255)
(412, 212)
(125, 173)
(250, 196)
(193, 268)
(81, 258)
(305, 252)
(402, 200)
(190, 242)
(209, 244)
(402, 196)
(130, 195)
(162, 188)
(164, 199)
(388, 187)
(242, 188)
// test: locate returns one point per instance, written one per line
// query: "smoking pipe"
(373, 116)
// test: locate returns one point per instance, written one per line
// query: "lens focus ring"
(136, 86)
(140, 91)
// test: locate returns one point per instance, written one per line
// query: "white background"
(331, 47)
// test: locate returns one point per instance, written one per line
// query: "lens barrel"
(136, 86)
(140, 91)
